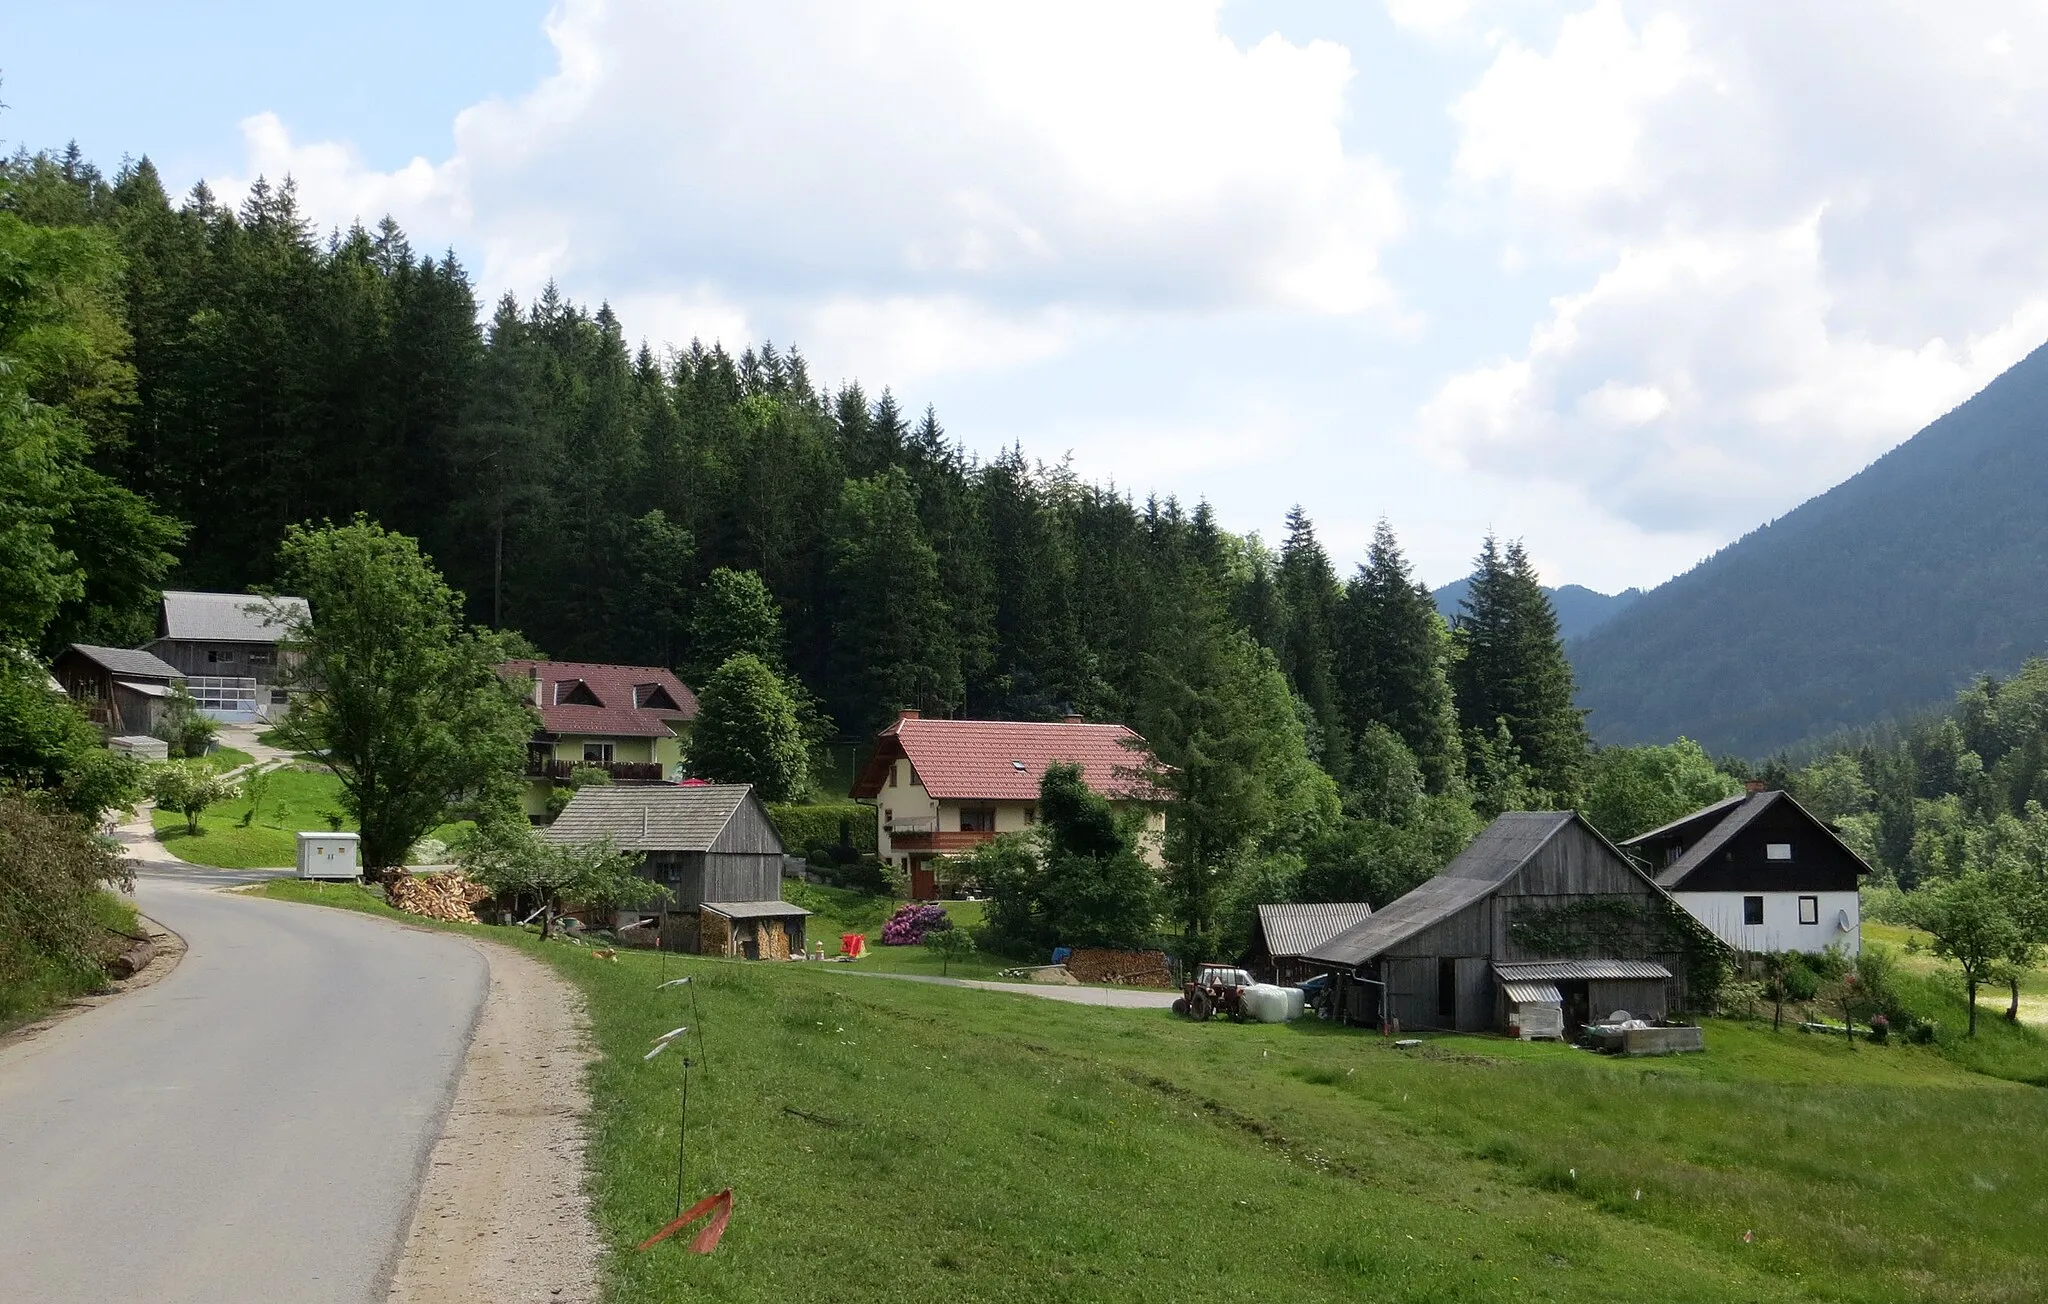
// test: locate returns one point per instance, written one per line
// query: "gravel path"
(1128, 998)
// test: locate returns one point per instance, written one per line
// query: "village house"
(942, 787)
(1761, 872)
(1536, 928)
(632, 722)
(120, 690)
(1285, 934)
(713, 847)
(226, 647)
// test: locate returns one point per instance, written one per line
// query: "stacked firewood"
(1120, 968)
(447, 895)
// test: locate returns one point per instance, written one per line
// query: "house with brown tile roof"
(943, 787)
(633, 722)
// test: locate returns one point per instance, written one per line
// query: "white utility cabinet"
(330, 855)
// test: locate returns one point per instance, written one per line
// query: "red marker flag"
(706, 1240)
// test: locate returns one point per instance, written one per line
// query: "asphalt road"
(254, 1127)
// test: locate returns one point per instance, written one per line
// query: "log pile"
(447, 895)
(1124, 968)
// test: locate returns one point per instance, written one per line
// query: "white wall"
(1781, 929)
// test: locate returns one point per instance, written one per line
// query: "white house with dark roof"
(1762, 872)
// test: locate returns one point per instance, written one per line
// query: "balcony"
(542, 767)
(926, 835)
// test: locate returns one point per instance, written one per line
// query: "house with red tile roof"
(633, 722)
(942, 787)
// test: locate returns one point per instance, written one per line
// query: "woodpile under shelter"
(1285, 934)
(758, 930)
(711, 845)
(1540, 911)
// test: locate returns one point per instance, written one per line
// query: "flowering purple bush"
(910, 923)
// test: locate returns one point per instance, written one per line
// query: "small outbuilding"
(758, 930)
(1287, 933)
(1540, 920)
(705, 842)
(124, 692)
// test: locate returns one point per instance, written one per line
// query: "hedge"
(803, 827)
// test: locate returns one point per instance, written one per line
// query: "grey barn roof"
(228, 617)
(1704, 812)
(1292, 929)
(125, 661)
(755, 909)
(1502, 848)
(653, 817)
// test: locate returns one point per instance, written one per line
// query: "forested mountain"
(1580, 610)
(1887, 593)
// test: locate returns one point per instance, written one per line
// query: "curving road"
(252, 1128)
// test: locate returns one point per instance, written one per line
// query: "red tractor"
(1217, 989)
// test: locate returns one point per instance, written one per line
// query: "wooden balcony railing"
(541, 767)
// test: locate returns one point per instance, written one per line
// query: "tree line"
(685, 507)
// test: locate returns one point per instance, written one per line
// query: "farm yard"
(905, 1142)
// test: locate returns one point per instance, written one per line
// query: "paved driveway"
(251, 1128)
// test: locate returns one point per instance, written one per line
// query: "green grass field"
(906, 1142)
(293, 800)
(836, 911)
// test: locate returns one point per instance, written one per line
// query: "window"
(1809, 910)
(1752, 910)
(259, 656)
(893, 767)
(216, 655)
(1778, 851)
(1447, 990)
(597, 753)
(278, 697)
(977, 819)
(1031, 814)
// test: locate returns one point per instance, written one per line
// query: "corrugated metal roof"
(755, 909)
(1503, 847)
(229, 617)
(654, 817)
(132, 662)
(1579, 971)
(1004, 760)
(1532, 993)
(1292, 928)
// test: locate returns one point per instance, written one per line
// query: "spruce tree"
(1512, 674)
(892, 635)
(1310, 595)
(1393, 663)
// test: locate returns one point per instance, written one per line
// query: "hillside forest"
(186, 382)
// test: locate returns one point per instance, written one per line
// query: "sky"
(1622, 280)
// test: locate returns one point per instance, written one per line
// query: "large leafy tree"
(749, 730)
(1632, 790)
(397, 691)
(1512, 670)
(1077, 880)
(1974, 925)
(735, 615)
(510, 857)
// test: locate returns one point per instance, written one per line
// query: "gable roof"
(1501, 849)
(228, 617)
(1292, 928)
(133, 663)
(1682, 823)
(650, 817)
(1004, 760)
(1739, 814)
(583, 697)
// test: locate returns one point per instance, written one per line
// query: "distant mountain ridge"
(1886, 593)
(1580, 610)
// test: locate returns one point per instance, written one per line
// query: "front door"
(1577, 1006)
(924, 885)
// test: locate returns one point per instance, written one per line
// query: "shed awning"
(755, 909)
(1532, 993)
(147, 690)
(1580, 971)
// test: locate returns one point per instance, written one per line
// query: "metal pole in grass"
(661, 1044)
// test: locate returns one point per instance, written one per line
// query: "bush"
(52, 868)
(867, 875)
(949, 944)
(189, 787)
(911, 924)
(831, 824)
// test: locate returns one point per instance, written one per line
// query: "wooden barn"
(1287, 933)
(712, 846)
(123, 692)
(1539, 909)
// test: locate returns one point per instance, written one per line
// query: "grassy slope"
(836, 911)
(293, 800)
(50, 984)
(968, 1145)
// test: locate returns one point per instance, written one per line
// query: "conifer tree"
(1512, 674)
(1393, 663)
(891, 634)
(1310, 595)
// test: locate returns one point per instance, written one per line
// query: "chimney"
(907, 714)
(1075, 717)
(533, 672)
(1756, 785)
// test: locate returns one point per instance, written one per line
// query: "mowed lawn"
(906, 1142)
(293, 799)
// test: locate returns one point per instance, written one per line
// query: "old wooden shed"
(1534, 887)
(122, 691)
(704, 842)
(1287, 933)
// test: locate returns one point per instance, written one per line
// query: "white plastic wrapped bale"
(1269, 1004)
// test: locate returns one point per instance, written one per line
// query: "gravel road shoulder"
(503, 1214)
